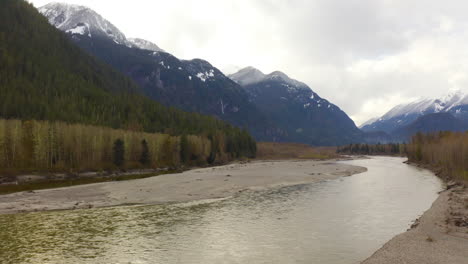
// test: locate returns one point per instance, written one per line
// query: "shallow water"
(337, 221)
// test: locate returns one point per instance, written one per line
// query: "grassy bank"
(446, 153)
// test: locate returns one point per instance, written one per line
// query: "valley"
(163, 147)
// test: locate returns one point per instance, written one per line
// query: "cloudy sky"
(366, 56)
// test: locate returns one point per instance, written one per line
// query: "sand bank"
(206, 183)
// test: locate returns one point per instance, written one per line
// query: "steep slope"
(44, 76)
(292, 105)
(455, 103)
(430, 123)
(194, 85)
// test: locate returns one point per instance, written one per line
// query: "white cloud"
(363, 55)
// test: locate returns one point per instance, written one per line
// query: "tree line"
(31, 146)
(371, 149)
(447, 151)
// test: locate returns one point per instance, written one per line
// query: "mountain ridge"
(297, 109)
(454, 102)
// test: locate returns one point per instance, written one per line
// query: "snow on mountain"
(144, 44)
(416, 107)
(303, 114)
(368, 122)
(423, 106)
(454, 102)
(277, 75)
(76, 19)
(286, 87)
(81, 20)
(251, 75)
(246, 76)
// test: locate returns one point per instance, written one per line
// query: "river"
(335, 221)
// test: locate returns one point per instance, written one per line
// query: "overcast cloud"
(366, 56)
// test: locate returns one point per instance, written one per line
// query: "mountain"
(191, 85)
(368, 122)
(377, 137)
(144, 44)
(296, 109)
(455, 103)
(431, 123)
(81, 20)
(44, 76)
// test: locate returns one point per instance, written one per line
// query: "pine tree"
(184, 149)
(119, 153)
(144, 159)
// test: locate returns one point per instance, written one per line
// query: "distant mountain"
(431, 123)
(296, 109)
(193, 85)
(368, 122)
(455, 103)
(378, 137)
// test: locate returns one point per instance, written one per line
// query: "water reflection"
(339, 221)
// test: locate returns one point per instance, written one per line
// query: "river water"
(336, 221)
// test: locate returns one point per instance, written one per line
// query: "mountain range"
(449, 112)
(273, 107)
(191, 85)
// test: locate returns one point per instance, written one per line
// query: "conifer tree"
(184, 149)
(144, 159)
(119, 153)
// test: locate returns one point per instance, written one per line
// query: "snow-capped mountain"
(248, 76)
(81, 20)
(454, 102)
(297, 109)
(251, 75)
(144, 44)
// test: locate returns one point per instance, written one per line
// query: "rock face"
(191, 85)
(296, 109)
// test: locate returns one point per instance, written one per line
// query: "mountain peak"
(144, 44)
(251, 75)
(76, 19)
(281, 76)
(248, 75)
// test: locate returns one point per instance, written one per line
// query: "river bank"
(197, 184)
(440, 235)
